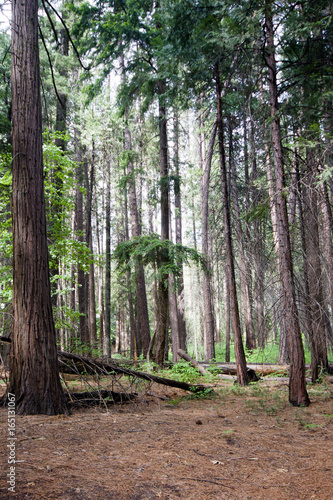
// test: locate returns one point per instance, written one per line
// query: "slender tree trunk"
(79, 229)
(142, 338)
(283, 347)
(218, 299)
(227, 313)
(257, 251)
(99, 291)
(201, 310)
(178, 218)
(209, 346)
(242, 376)
(34, 375)
(90, 294)
(297, 388)
(107, 293)
(249, 328)
(316, 303)
(173, 306)
(162, 331)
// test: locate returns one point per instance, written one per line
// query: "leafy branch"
(166, 256)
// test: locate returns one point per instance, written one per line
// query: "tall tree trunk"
(90, 294)
(226, 291)
(34, 375)
(209, 345)
(107, 293)
(218, 298)
(249, 328)
(242, 376)
(257, 251)
(178, 218)
(173, 306)
(297, 387)
(79, 229)
(132, 324)
(328, 247)
(316, 303)
(142, 338)
(201, 310)
(162, 326)
(283, 347)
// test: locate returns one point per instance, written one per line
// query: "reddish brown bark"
(34, 377)
(298, 395)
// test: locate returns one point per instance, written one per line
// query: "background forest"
(188, 177)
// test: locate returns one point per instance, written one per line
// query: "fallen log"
(260, 369)
(193, 362)
(232, 370)
(227, 370)
(93, 367)
(83, 365)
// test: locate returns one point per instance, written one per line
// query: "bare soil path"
(242, 444)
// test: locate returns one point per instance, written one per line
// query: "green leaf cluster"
(166, 256)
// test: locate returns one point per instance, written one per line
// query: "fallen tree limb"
(232, 370)
(93, 367)
(193, 362)
(228, 370)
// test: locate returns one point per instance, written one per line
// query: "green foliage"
(5, 97)
(6, 245)
(147, 250)
(184, 372)
(60, 171)
(60, 203)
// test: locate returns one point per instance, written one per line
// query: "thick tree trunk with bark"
(297, 388)
(34, 377)
(242, 376)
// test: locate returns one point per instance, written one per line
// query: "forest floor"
(241, 444)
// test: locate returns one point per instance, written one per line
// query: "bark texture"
(34, 377)
(298, 395)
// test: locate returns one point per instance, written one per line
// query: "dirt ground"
(241, 444)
